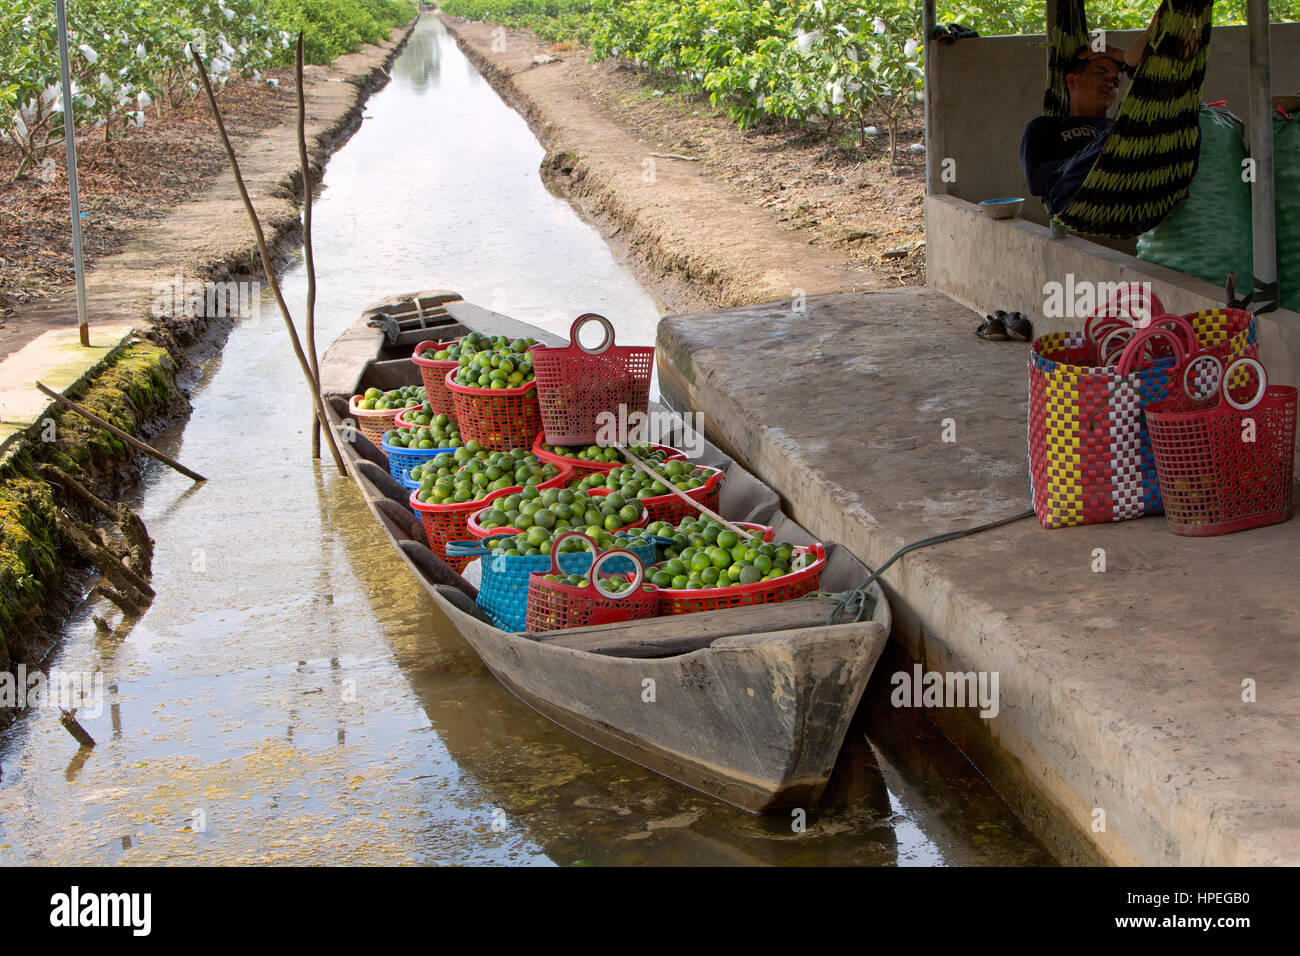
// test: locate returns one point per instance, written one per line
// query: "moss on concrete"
(135, 384)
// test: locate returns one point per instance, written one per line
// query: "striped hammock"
(1150, 157)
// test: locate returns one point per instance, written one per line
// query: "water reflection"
(292, 696)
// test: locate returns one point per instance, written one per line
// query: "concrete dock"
(1149, 693)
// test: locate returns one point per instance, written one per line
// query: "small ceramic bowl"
(1002, 208)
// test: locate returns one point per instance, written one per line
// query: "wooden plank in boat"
(429, 299)
(681, 633)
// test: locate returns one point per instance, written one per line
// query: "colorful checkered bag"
(1090, 458)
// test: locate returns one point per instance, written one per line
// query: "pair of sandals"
(1005, 326)
(951, 33)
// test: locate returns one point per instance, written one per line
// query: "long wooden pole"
(308, 259)
(684, 496)
(268, 267)
(118, 433)
(74, 200)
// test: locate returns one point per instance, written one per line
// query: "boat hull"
(754, 719)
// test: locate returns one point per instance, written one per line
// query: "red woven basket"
(789, 586)
(1212, 478)
(554, 607)
(444, 523)
(434, 374)
(478, 531)
(582, 468)
(496, 418)
(668, 507)
(373, 423)
(575, 384)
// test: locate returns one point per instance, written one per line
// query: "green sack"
(1286, 180)
(1208, 234)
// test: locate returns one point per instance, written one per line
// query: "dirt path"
(208, 237)
(708, 215)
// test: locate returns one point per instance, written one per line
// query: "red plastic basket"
(373, 423)
(668, 507)
(496, 418)
(582, 468)
(1212, 479)
(575, 384)
(478, 531)
(789, 586)
(444, 523)
(434, 374)
(554, 607)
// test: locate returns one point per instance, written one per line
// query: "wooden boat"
(749, 705)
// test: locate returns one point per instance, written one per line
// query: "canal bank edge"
(134, 385)
(660, 215)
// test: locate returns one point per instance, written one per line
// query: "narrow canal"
(292, 697)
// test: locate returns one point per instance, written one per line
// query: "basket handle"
(1121, 305)
(594, 581)
(582, 320)
(555, 549)
(1226, 399)
(1133, 350)
(468, 549)
(1208, 358)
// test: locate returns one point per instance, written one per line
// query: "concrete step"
(1121, 732)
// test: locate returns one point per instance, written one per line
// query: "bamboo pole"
(748, 535)
(268, 267)
(308, 259)
(118, 433)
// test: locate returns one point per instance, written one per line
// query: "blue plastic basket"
(402, 460)
(503, 590)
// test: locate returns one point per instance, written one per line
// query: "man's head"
(1093, 81)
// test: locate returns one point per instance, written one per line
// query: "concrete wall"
(987, 264)
(983, 91)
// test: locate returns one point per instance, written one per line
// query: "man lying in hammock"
(1057, 153)
(1116, 181)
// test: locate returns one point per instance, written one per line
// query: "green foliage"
(128, 58)
(334, 27)
(551, 20)
(805, 62)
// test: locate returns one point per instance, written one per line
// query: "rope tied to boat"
(860, 604)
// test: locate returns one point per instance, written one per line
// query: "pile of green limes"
(473, 343)
(408, 396)
(729, 562)
(698, 532)
(471, 473)
(509, 366)
(604, 455)
(634, 483)
(435, 431)
(546, 514)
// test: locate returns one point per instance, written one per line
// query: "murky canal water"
(292, 697)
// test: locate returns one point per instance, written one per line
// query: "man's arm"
(1134, 53)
